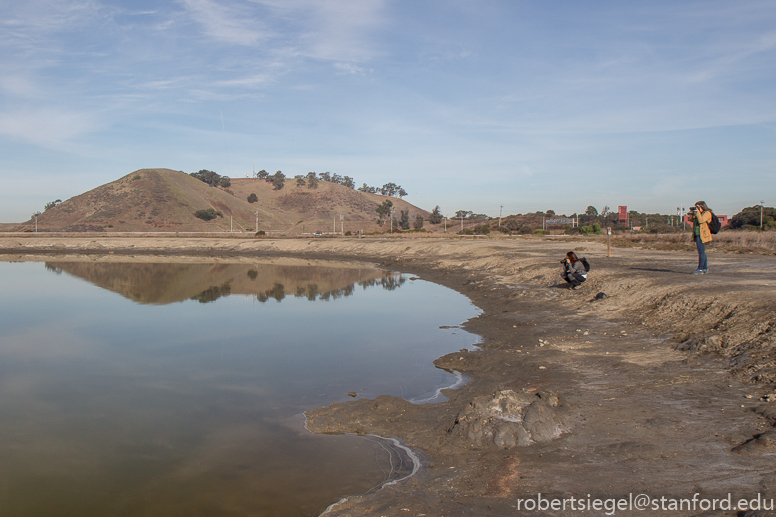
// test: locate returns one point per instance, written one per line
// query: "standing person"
(574, 271)
(700, 215)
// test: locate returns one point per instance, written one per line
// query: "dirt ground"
(659, 388)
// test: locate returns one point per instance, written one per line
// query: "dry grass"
(740, 241)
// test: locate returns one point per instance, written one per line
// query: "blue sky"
(469, 105)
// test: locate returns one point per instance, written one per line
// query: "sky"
(484, 105)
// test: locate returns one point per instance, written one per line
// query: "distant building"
(623, 213)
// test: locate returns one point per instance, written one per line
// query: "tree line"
(310, 180)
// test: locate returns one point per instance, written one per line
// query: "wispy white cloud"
(336, 30)
(52, 128)
(351, 69)
(227, 22)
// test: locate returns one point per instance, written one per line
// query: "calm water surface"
(176, 389)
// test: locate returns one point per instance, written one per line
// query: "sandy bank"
(649, 389)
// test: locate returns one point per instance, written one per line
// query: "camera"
(693, 208)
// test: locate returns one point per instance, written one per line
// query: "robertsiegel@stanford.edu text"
(642, 502)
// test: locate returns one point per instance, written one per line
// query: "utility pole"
(257, 216)
(334, 225)
(342, 225)
(461, 221)
(445, 224)
(499, 215)
(36, 224)
(761, 214)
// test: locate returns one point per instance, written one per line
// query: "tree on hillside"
(389, 189)
(336, 178)
(300, 182)
(51, 204)
(591, 211)
(325, 176)
(312, 180)
(404, 221)
(368, 189)
(401, 192)
(436, 216)
(347, 181)
(418, 224)
(225, 182)
(262, 174)
(384, 210)
(278, 180)
(209, 177)
(463, 214)
(253, 198)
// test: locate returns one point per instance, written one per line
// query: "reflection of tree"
(278, 292)
(312, 292)
(388, 282)
(54, 269)
(213, 293)
(253, 274)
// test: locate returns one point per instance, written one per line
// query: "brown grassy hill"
(166, 200)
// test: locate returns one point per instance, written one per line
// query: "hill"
(166, 200)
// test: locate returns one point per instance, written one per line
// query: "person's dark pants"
(702, 262)
(574, 278)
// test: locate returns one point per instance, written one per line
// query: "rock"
(509, 419)
(600, 296)
(352, 394)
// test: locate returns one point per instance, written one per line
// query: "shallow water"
(177, 388)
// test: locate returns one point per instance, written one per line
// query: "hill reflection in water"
(163, 283)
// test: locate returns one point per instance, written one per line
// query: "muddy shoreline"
(647, 391)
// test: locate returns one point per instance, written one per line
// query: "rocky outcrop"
(510, 419)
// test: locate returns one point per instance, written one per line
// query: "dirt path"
(646, 391)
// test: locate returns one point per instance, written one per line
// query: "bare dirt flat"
(655, 389)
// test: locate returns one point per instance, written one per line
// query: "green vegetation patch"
(208, 214)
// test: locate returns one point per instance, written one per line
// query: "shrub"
(482, 229)
(209, 177)
(540, 232)
(208, 214)
(253, 198)
(261, 232)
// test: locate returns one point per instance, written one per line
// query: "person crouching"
(573, 270)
